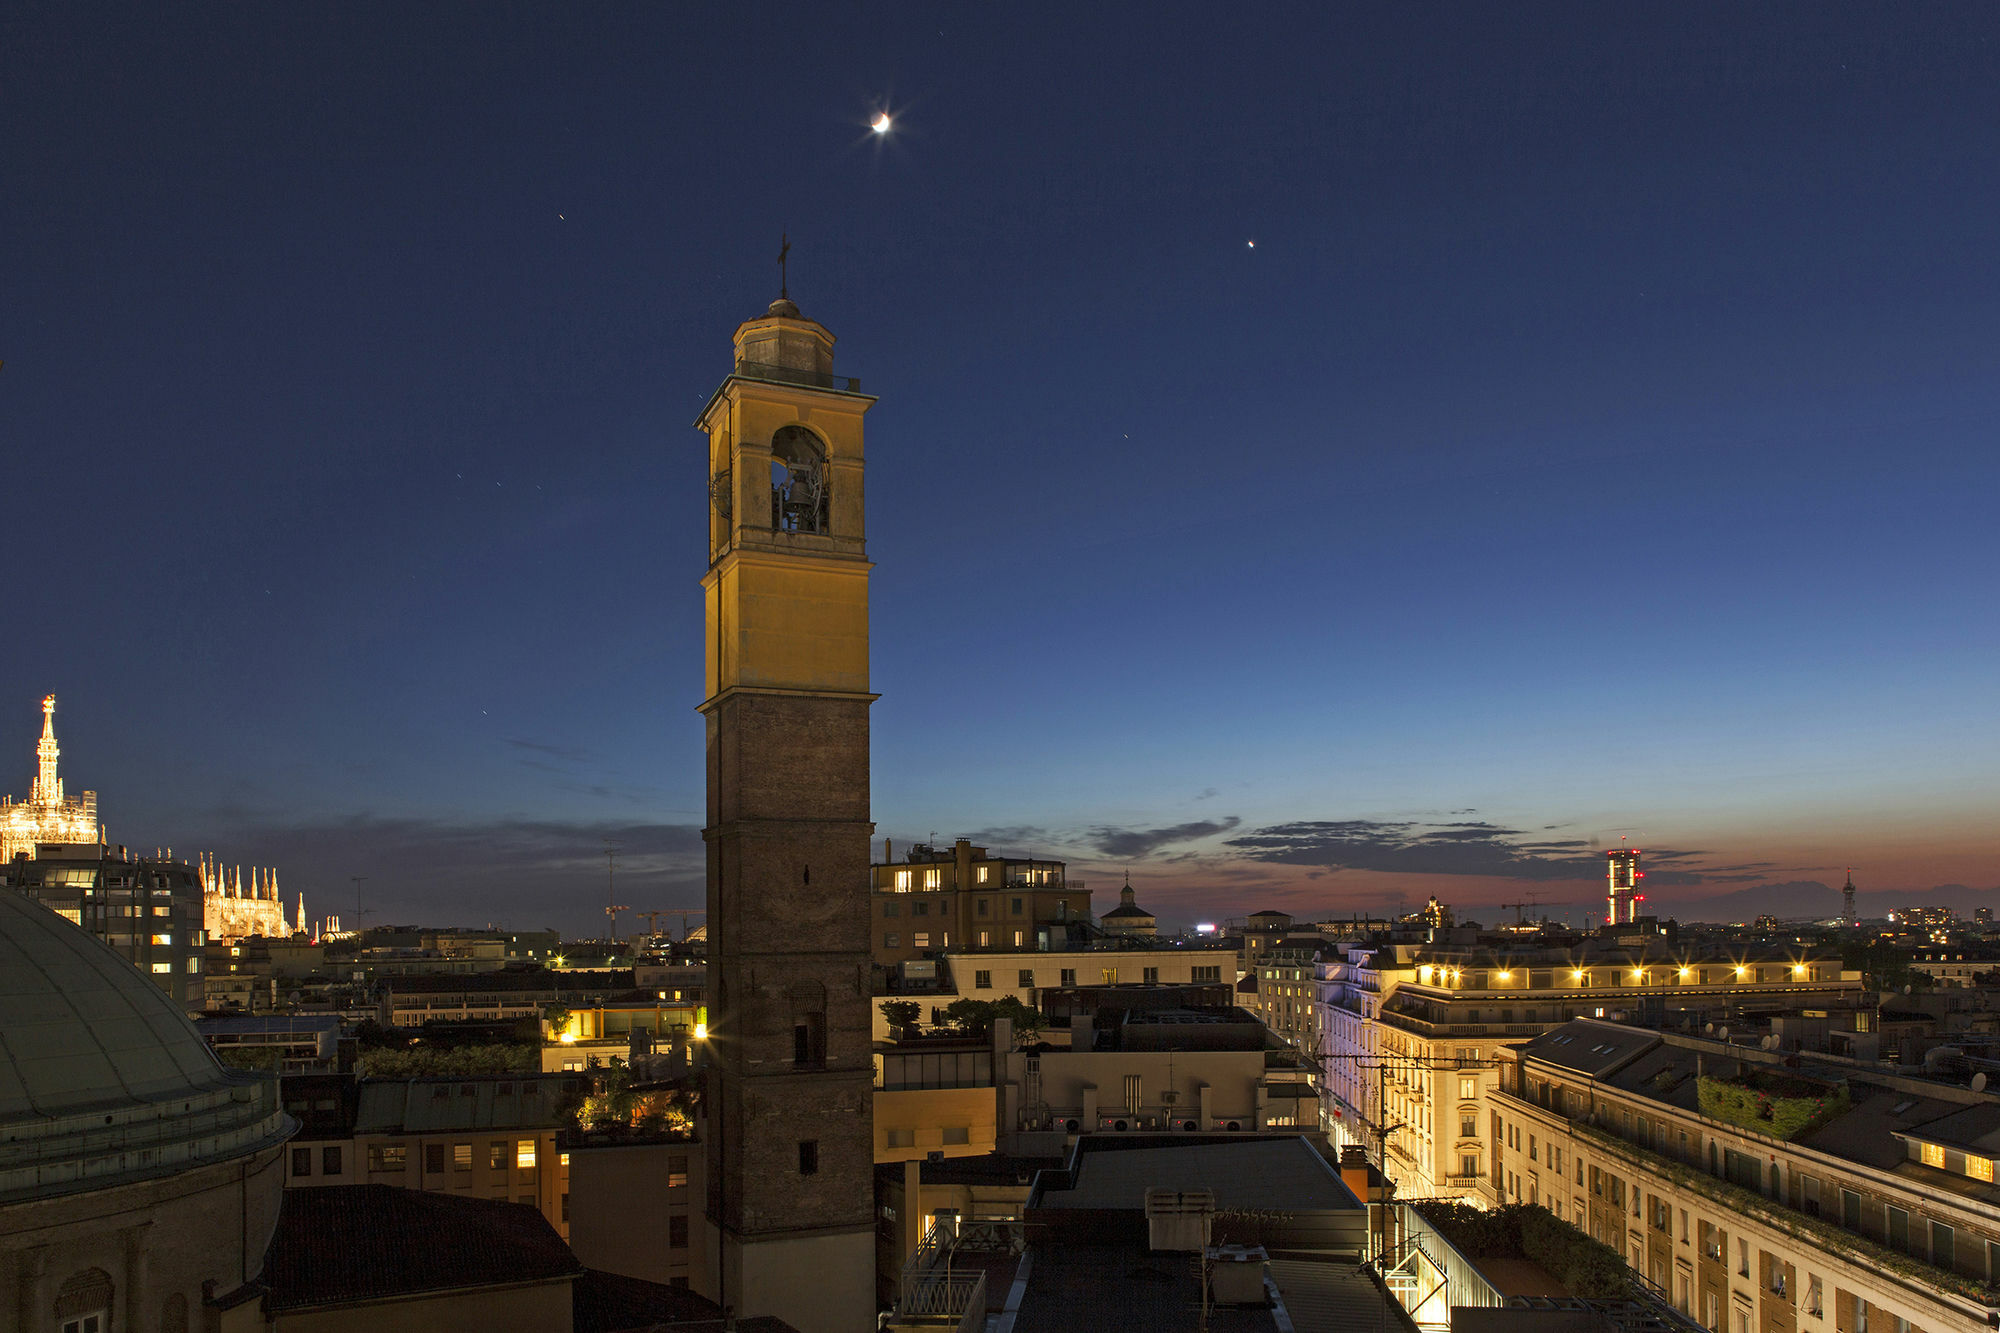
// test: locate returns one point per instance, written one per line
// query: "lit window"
(524, 1154)
(1979, 1168)
(461, 1157)
(921, 939)
(931, 877)
(163, 967)
(902, 881)
(1933, 1155)
(163, 939)
(194, 963)
(562, 1160)
(979, 875)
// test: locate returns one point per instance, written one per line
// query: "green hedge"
(1585, 1267)
(1780, 1108)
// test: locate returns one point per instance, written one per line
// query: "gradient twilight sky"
(1597, 439)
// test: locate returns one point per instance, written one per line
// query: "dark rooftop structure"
(361, 1243)
(1122, 1237)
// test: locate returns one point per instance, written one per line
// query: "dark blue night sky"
(1597, 439)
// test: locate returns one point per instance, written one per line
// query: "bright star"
(881, 122)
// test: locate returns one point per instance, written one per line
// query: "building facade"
(1412, 1034)
(1761, 1191)
(147, 909)
(788, 834)
(964, 898)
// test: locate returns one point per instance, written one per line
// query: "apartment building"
(1126, 1071)
(488, 1137)
(1412, 1034)
(1762, 1191)
(964, 898)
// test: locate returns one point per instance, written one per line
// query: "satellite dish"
(1723, 1033)
(1768, 1043)
(1906, 990)
(1979, 1082)
(1708, 1029)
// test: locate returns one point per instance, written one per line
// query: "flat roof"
(1271, 1175)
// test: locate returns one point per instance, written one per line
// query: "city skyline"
(1587, 446)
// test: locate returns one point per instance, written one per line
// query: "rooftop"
(377, 1242)
(1275, 1175)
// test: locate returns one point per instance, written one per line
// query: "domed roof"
(83, 1027)
(102, 1078)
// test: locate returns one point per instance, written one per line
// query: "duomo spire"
(48, 785)
(47, 816)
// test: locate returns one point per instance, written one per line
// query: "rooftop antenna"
(784, 249)
(357, 881)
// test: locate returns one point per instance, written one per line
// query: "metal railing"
(817, 379)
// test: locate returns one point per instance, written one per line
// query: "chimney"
(1354, 1170)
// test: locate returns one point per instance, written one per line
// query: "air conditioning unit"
(1231, 1125)
(1187, 1124)
(1070, 1126)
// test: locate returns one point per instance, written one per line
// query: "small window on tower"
(808, 1157)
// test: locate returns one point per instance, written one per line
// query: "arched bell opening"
(798, 481)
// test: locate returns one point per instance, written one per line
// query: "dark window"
(1850, 1210)
(329, 1161)
(496, 1156)
(434, 1158)
(565, 1206)
(302, 1161)
(1069, 976)
(1027, 978)
(809, 1042)
(1899, 1229)
(808, 1157)
(1015, 906)
(982, 981)
(677, 1232)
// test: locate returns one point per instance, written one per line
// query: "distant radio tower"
(1847, 900)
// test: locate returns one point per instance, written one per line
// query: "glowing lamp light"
(568, 1037)
(1686, 970)
(1506, 976)
(1741, 970)
(701, 1031)
(1576, 975)
(1798, 969)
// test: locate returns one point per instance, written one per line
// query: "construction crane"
(684, 913)
(612, 907)
(1533, 901)
(652, 919)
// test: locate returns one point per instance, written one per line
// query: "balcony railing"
(817, 379)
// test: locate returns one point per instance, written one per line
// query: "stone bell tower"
(789, 1098)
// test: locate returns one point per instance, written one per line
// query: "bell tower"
(790, 1128)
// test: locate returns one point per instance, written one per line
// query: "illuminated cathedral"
(232, 908)
(47, 815)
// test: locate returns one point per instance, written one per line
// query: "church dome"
(101, 1074)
